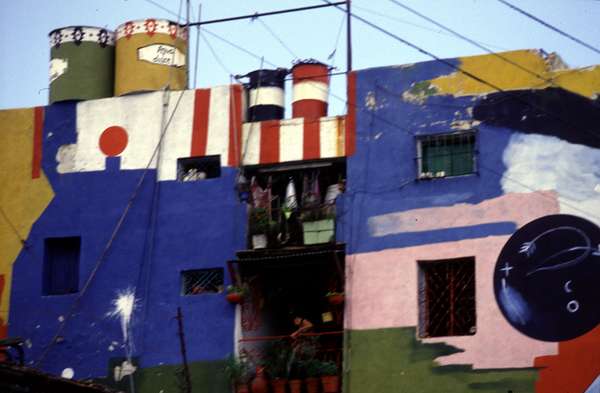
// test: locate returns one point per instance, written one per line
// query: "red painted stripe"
(350, 140)
(313, 72)
(312, 140)
(200, 124)
(309, 108)
(269, 141)
(235, 124)
(38, 126)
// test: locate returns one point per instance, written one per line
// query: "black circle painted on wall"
(547, 278)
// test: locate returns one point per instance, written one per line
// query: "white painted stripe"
(266, 96)
(291, 139)
(218, 124)
(329, 137)
(251, 143)
(310, 90)
(178, 137)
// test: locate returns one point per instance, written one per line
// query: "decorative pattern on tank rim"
(150, 27)
(79, 34)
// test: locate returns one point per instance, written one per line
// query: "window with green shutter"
(446, 155)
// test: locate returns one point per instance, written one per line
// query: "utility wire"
(264, 24)
(373, 12)
(472, 42)
(215, 55)
(461, 70)
(238, 47)
(12, 226)
(551, 27)
(162, 7)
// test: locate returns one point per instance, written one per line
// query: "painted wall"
(529, 165)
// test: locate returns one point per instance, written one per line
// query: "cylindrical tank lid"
(79, 34)
(150, 27)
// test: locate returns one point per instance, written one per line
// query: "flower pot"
(330, 383)
(312, 385)
(259, 383)
(295, 385)
(335, 300)
(234, 298)
(278, 385)
(242, 388)
(259, 241)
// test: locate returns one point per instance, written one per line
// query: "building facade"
(126, 215)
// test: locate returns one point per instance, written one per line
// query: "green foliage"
(237, 370)
(278, 355)
(327, 368)
(241, 289)
(259, 221)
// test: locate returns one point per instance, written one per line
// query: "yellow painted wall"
(22, 198)
(498, 72)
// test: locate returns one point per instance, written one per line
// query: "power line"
(472, 42)
(551, 27)
(238, 47)
(162, 7)
(373, 12)
(461, 70)
(215, 55)
(276, 37)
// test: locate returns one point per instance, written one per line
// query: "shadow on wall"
(392, 360)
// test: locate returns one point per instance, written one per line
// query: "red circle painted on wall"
(113, 141)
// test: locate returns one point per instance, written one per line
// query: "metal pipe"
(257, 15)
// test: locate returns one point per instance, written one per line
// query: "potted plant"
(259, 224)
(335, 298)
(330, 380)
(278, 355)
(237, 370)
(312, 372)
(235, 293)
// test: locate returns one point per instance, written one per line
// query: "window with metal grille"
(198, 168)
(446, 155)
(447, 297)
(61, 265)
(199, 281)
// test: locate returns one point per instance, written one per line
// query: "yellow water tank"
(150, 54)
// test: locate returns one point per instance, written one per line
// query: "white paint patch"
(291, 140)
(269, 95)
(68, 373)
(539, 162)
(251, 143)
(126, 368)
(123, 306)
(61, 318)
(57, 68)
(310, 90)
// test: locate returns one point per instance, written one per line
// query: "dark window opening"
(446, 155)
(198, 168)
(61, 265)
(447, 297)
(199, 281)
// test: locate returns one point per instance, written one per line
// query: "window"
(447, 297)
(198, 168)
(446, 155)
(61, 265)
(196, 282)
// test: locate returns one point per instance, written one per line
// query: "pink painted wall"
(382, 286)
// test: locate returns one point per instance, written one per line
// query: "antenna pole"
(348, 36)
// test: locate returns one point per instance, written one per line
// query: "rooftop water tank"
(81, 63)
(266, 94)
(311, 88)
(150, 55)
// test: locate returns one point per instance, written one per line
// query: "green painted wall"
(89, 75)
(207, 377)
(392, 360)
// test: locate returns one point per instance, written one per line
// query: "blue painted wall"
(198, 225)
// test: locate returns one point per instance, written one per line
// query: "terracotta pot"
(330, 383)
(242, 388)
(259, 383)
(295, 385)
(312, 385)
(234, 298)
(334, 300)
(278, 385)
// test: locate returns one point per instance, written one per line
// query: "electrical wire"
(373, 12)
(337, 41)
(12, 226)
(238, 47)
(162, 7)
(551, 27)
(276, 37)
(461, 70)
(215, 55)
(472, 42)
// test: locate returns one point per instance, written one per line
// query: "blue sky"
(24, 26)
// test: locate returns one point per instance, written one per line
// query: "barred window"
(198, 168)
(199, 281)
(447, 297)
(446, 155)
